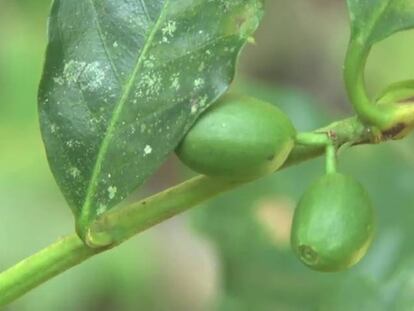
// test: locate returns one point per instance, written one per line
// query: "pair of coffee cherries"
(243, 138)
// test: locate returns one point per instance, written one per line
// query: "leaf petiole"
(120, 224)
(354, 77)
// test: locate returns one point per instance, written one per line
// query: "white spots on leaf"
(175, 81)
(168, 30)
(95, 121)
(199, 82)
(115, 44)
(203, 100)
(101, 209)
(53, 128)
(72, 70)
(73, 143)
(132, 129)
(93, 74)
(74, 172)
(149, 62)
(112, 192)
(143, 128)
(147, 150)
(198, 103)
(59, 80)
(70, 143)
(151, 83)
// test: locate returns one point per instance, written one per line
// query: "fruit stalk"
(330, 159)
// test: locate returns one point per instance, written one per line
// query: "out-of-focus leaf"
(301, 109)
(399, 92)
(123, 82)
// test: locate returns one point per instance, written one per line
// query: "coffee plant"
(127, 83)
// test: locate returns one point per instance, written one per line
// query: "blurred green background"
(232, 254)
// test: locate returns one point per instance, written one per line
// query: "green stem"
(42, 266)
(120, 224)
(330, 159)
(354, 76)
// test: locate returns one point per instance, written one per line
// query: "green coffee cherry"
(333, 224)
(239, 137)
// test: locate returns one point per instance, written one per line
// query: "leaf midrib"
(86, 208)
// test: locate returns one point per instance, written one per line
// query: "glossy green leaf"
(124, 80)
(375, 20)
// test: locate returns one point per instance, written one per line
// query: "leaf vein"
(145, 9)
(103, 41)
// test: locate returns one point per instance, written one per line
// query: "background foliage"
(232, 253)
